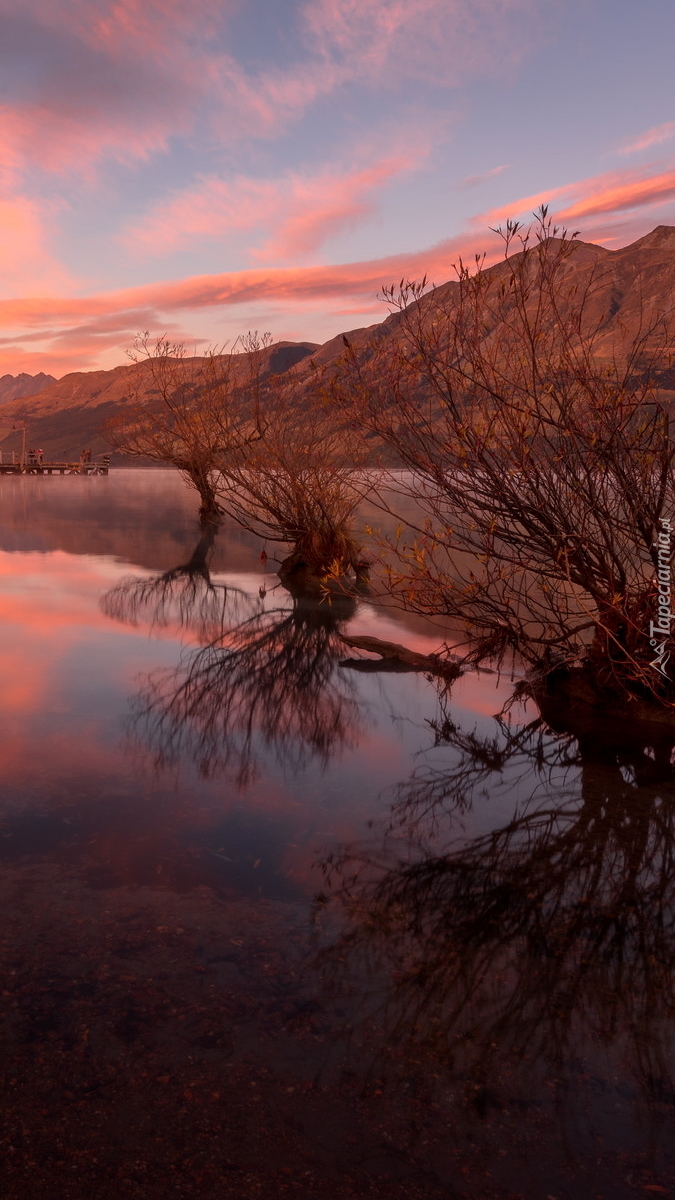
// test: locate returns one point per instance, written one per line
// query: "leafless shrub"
(540, 459)
(300, 482)
(193, 413)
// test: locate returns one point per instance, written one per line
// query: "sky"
(200, 168)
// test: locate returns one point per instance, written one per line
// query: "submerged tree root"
(570, 699)
(397, 658)
(306, 579)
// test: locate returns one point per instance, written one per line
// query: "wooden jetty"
(99, 467)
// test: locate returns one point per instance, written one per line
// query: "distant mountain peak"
(661, 238)
(15, 387)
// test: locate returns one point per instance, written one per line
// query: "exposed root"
(395, 657)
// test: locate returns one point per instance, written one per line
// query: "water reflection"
(272, 682)
(523, 951)
(184, 596)
(269, 679)
(159, 928)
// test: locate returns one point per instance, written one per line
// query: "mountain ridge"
(635, 284)
(15, 387)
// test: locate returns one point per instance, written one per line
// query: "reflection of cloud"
(19, 750)
(23, 681)
(67, 607)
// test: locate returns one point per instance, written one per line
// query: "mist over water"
(280, 922)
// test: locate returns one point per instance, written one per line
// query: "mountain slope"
(632, 287)
(68, 416)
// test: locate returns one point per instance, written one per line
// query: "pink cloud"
(323, 206)
(447, 43)
(27, 262)
(378, 43)
(57, 137)
(69, 333)
(471, 181)
(107, 78)
(634, 193)
(143, 26)
(26, 226)
(651, 137)
(16, 358)
(121, 79)
(299, 212)
(236, 287)
(72, 332)
(612, 192)
(523, 206)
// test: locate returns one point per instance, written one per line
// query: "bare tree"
(540, 461)
(300, 483)
(194, 413)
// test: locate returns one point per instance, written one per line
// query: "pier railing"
(98, 467)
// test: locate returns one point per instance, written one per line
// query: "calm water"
(279, 923)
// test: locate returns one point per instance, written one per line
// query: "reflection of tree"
(273, 681)
(185, 596)
(530, 942)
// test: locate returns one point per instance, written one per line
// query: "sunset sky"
(204, 167)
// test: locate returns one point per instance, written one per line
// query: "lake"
(281, 922)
